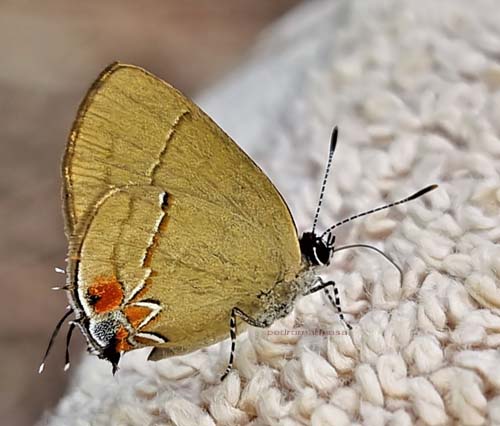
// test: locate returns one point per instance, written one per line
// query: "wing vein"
(156, 165)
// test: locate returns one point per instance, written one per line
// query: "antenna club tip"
(66, 366)
(333, 139)
(423, 191)
(40, 369)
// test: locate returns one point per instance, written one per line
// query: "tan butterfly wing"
(155, 191)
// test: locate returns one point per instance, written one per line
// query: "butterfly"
(175, 235)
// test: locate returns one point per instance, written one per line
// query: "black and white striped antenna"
(387, 206)
(333, 144)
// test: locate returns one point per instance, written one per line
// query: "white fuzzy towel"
(415, 90)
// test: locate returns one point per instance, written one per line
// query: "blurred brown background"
(51, 50)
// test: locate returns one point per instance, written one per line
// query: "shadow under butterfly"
(174, 232)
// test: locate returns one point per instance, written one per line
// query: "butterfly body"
(174, 232)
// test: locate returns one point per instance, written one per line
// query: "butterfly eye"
(322, 252)
(315, 249)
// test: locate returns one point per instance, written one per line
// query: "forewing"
(118, 138)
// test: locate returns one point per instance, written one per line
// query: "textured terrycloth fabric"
(415, 90)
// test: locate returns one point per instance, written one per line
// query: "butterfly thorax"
(279, 301)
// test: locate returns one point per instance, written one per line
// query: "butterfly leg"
(232, 330)
(335, 301)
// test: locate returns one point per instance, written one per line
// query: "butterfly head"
(317, 250)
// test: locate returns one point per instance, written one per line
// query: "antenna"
(404, 200)
(333, 144)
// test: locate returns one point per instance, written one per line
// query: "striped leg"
(334, 301)
(232, 330)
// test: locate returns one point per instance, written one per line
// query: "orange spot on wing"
(106, 294)
(121, 340)
(136, 314)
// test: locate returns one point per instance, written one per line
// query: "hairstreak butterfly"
(174, 232)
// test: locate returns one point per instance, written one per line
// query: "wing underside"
(155, 191)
